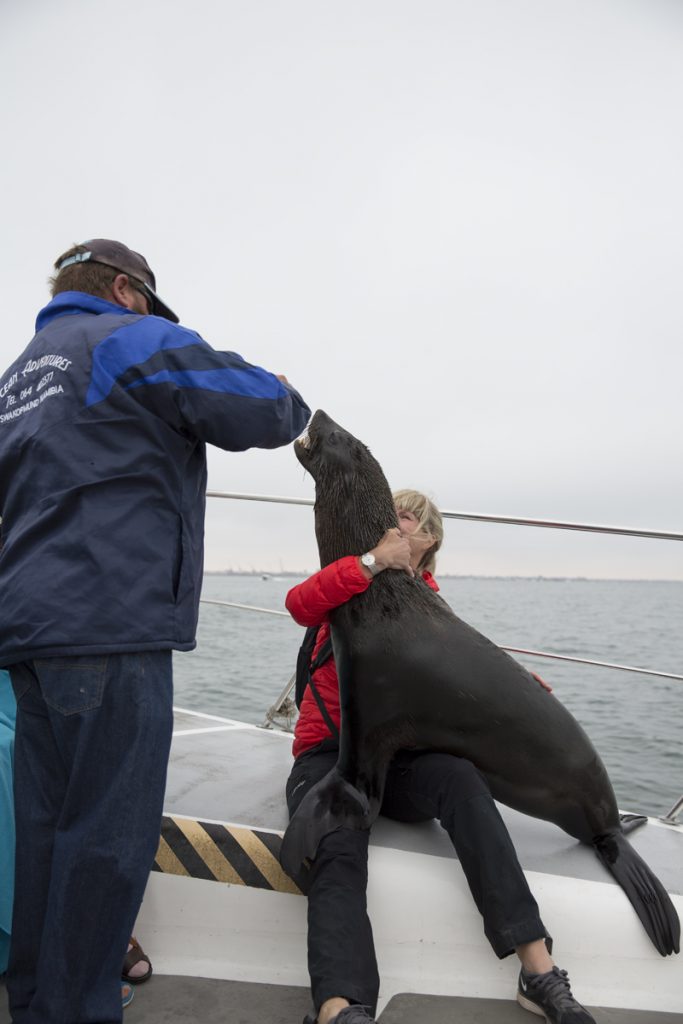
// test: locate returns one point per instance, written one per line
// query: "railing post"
(670, 818)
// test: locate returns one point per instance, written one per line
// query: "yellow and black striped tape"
(218, 853)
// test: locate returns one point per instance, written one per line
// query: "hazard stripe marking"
(272, 842)
(267, 864)
(240, 856)
(219, 866)
(167, 860)
(184, 850)
(235, 855)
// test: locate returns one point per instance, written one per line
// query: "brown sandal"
(135, 956)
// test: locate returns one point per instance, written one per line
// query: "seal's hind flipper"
(331, 804)
(649, 898)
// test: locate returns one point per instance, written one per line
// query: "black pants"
(420, 786)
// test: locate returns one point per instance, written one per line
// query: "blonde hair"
(429, 520)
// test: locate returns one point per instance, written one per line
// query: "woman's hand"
(392, 552)
(546, 686)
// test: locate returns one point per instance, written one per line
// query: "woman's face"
(409, 525)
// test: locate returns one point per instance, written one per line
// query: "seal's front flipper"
(331, 804)
(629, 822)
(648, 896)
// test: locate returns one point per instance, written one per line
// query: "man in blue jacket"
(103, 424)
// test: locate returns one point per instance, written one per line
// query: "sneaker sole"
(528, 1005)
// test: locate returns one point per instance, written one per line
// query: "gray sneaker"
(550, 996)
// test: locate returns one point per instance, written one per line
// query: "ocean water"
(243, 659)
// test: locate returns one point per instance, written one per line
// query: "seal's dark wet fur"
(412, 674)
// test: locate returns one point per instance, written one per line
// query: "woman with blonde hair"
(420, 785)
(429, 524)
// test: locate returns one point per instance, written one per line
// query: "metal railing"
(504, 647)
(284, 706)
(670, 818)
(480, 517)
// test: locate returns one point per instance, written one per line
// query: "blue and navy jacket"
(103, 425)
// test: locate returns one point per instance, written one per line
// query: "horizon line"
(274, 573)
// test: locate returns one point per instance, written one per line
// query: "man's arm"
(215, 396)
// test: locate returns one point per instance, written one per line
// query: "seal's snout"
(304, 440)
(304, 445)
(324, 432)
(319, 431)
(321, 423)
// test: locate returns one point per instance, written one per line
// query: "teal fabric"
(8, 711)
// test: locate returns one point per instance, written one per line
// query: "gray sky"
(456, 226)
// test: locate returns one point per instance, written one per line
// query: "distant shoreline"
(297, 574)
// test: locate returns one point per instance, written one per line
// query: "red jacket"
(309, 603)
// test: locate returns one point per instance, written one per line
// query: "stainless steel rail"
(590, 661)
(512, 650)
(284, 706)
(244, 607)
(672, 815)
(480, 517)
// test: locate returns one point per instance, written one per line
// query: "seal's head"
(353, 503)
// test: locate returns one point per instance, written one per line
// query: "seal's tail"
(648, 896)
(331, 804)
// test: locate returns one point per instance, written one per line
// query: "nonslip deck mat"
(185, 1000)
(411, 1007)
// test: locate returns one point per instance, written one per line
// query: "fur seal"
(414, 675)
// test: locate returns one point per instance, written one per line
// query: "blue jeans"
(91, 753)
(8, 712)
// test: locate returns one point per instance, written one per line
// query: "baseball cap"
(126, 261)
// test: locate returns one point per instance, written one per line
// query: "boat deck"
(179, 931)
(225, 770)
(168, 1000)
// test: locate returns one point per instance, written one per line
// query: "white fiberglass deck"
(227, 951)
(428, 933)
